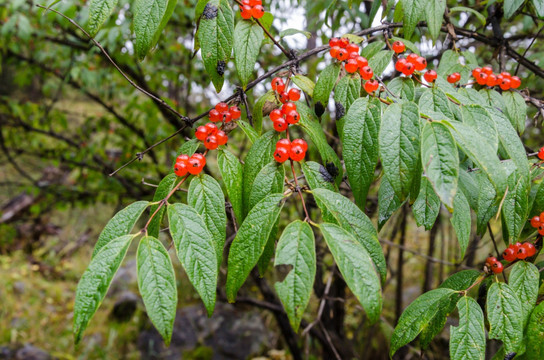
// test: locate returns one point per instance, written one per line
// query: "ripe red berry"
(366, 72)
(541, 229)
(226, 117)
(505, 84)
(398, 47)
(215, 115)
(509, 254)
(515, 82)
(334, 42)
(222, 107)
(211, 142)
(246, 2)
(182, 158)
(521, 253)
(535, 221)
(255, 2)
(235, 112)
(453, 78)
(412, 58)
(361, 61)
(292, 117)
(400, 64)
(275, 114)
(196, 164)
(221, 137)
(541, 157)
(288, 107)
(482, 78)
(476, 72)
(297, 153)
(353, 55)
(280, 125)
(488, 70)
(430, 76)
(284, 143)
(284, 97)
(529, 248)
(257, 11)
(281, 154)
(276, 82)
(371, 85)
(181, 169)
(245, 12)
(211, 128)
(497, 267)
(491, 80)
(201, 133)
(506, 75)
(342, 54)
(352, 48)
(351, 66)
(294, 94)
(334, 51)
(343, 42)
(409, 68)
(300, 142)
(421, 63)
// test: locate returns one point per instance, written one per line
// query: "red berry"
(280, 125)
(491, 80)
(294, 94)
(344, 42)
(334, 42)
(342, 54)
(541, 229)
(201, 133)
(398, 47)
(255, 2)
(246, 2)
(541, 156)
(509, 254)
(515, 82)
(196, 164)
(476, 72)
(181, 169)
(292, 117)
(257, 11)
(453, 78)
(226, 116)
(371, 85)
(221, 137)
(505, 84)
(535, 221)
(211, 142)
(351, 66)
(297, 153)
(275, 114)
(400, 64)
(412, 58)
(353, 55)
(245, 12)
(482, 78)
(281, 154)
(529, 248)
(284, 97)
(409, 68)
(334, 51)
(421, 63)
(284, 143)
(361, 61)
(235, 112)
(490, 261)
(497, 267)
(215, 115)
(516, 246)
(488, 70)
(366, 72)
(430, 76)
(182, 158)
(211, 128)
(300, 142)
(288, 107)
(222, 107)
(276, 82)
(521, 253)
(352, 48)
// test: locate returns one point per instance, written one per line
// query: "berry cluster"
(192, 165)
(518, 251)
(287, 115)
(252, 8)
(409, 64)
(343, 50)
(538, 223)
(540, 154)
(491, 263)
(484, 76)
(285, 150)
(223, 113)
(211, 136)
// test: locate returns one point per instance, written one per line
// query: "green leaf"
(148, 15)
(388, 202)
(260, 154)
(436, 324)
(296, 249)
(165, 186)
(403, 87)
(188, 148)
(157, 285)
(313, 128)
(356, 267)
(96, 280)
(399, 146)
(232, 173)
(504, 316)
(380, 61)
(268, 181)
(206, 197)
(468, 339)
(196, 251)
(324, 86)
(448, 60)
(354, 38)
(417, 316)
(469, 10)
(539, 8)
(360, 147)
(372, 49)
(487, 205)
(215, 35)
(337, 209)
(515, 109)
(413, 12)
(524, 281)
(535, 333)
(250, 241)
(170, 7)
(440, 160)
(317, 176)
(479, 119)
(345, 93)
(461, 221)
(515, 207)
(304, 83)
(511, 6)
(291, 32)
(461, 280)
(435, 104)
(267, 97)
(427, 205)
(121, 224)
(248, 37)
(250, 132)
(434, 13)
(99, 12)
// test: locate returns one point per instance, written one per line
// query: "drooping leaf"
(267, 97)
(96, 280)
(317, 176)
(479, 119)
(157, 284)
(402, 87)
(427, 205)
(248, 37)
(121, 224)
(504, 316)
(99, 12)
(511, 6)
(345, 93)
(250, 132)
(232, 173)
(436, 323)
(388, 202)
(360, 147)
(296, 248)
(196, 251)
(165, 186)
(539, 8)
(435, 104)
(304, 83)
(487, 205)
(380, 61)
(535, 333)
(413, 12)
(516, 110)
(448, 61)
(170, 7)
(515, 207)
(250, 241)
(356, 267)
(469, 10)
(460, 280)
(372, 49)
(206, 197)
(323, 87)
(434, 13)
(291, 32)
(524, 281)
(461, 221)
(148, 15)
(468, 339)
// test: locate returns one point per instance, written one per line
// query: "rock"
(29, 352)
(5, 353)
(125, 306)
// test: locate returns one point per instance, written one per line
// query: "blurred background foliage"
(68, 119)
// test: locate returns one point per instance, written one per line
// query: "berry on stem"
(371, 85)
(235, 112)
(292, 117)
(540, 154)
(294, 94)
(430, 76)
(398, 47)
(221, 137)
(201, 133)
(421, 63)
(280, 125)
(215, 115)
(288, 107)
(342, 54)
(222, 107)
(300, 142)
(257, 11)
(453, 78)
(297, 153)
(509, 254)
(366, 73)
(351, 66)
(275, 115)
(281, 154)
